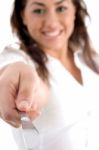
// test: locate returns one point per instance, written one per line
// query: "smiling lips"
(53, 34)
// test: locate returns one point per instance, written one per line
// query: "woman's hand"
(21, 89)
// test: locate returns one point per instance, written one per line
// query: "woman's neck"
(66, 58)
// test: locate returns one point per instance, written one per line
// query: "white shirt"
(71, 118)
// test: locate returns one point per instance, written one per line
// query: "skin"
(50, 23)
(25, 91)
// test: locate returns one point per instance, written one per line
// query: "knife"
(31, 136)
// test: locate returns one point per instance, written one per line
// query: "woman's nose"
(51, 21)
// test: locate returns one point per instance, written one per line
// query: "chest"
(69, 98)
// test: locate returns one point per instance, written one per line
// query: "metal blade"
(30, 134)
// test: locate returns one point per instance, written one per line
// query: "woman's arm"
(21, 89)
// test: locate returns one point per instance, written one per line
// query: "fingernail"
(24, 105)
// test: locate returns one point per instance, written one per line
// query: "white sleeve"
(10, 55)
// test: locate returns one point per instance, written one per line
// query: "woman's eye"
(61, 9)
(39, 11)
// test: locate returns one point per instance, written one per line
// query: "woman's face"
(50, 22)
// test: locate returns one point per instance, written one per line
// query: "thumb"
(26, 90)
(23, 105)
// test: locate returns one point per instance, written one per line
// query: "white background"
(6, 139)
(6, 37)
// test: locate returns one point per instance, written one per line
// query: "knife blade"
(30, 133)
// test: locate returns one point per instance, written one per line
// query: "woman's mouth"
(53, 34)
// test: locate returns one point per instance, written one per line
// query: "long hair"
(27, 43)
(78, 39)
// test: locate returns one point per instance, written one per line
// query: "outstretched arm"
(21, 89)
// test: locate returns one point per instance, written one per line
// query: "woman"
(51, 74)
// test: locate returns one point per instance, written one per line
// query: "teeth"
(51, 34)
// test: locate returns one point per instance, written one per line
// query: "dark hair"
(79, 37)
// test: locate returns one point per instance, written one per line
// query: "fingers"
(8, 111)
(9, 78)
(21, 89)
(9, 114)
(32, 94)
(28, 82)
(34, 114)
(32, 91)
(13, 120)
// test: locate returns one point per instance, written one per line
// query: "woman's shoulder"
(12, 53)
